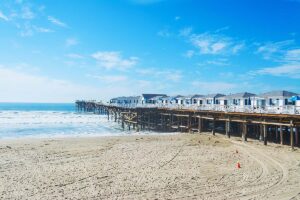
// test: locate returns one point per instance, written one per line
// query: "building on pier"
(270, 102)
(126, 101)
(276, 98)
(197, 99)
(212, 99)
(152, 98)
(241, 99)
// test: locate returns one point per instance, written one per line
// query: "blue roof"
(294, 98)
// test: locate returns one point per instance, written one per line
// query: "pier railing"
(288, 109)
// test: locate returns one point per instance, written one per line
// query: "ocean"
(48, 120)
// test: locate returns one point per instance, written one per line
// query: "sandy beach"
(183, 166)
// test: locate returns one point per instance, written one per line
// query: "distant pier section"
(279, 124)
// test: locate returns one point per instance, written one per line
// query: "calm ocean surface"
(43, 120)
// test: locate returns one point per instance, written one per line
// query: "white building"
(151, 98)
(198, 99)
(126, 101)
(212, 99)
(238, 99)
(275, 98)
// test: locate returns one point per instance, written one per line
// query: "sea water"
(44, 120)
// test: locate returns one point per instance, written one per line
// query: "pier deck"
(278, 128)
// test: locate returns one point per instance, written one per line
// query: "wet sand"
(183, 166)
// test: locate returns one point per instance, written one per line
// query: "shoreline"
(86, 136)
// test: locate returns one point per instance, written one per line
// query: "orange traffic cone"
(238, 165)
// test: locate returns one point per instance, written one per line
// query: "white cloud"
(26, 30)
(291, 70)
(170, 75)
(57, 22)
(173, 76)
(189, 53)
(71, 42)
(177, 18)
(274, 50)
(74, 56)
(2, 16)
(164, 33)
(114, 60)
(292, 55)
(17, 86)
(218, 62)
(186, 31)
(43, 30)
(212, 43)
(236, 48)
(214, 87)
(282, 53)
(215, 44)
(222, 29)
(109, 78)
(27, 13)
(218, 46)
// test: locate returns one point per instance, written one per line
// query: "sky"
(61, 51)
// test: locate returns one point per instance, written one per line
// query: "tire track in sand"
(266, 162)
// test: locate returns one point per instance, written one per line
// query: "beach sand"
(182, 166)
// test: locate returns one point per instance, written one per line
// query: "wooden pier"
(278, 128)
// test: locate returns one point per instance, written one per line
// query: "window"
(271, 102)
(246, 102)
(286, 102)
(201, 102)
(195, 101)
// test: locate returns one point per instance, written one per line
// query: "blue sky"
(60, 51)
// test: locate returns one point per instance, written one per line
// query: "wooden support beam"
(261, 132)
(203, 117)
(281, 135)
(227, 128)
(179, 115)
(244, 132)
(297, 136)
(189, 123)
(213, 127)
(292, 134)
(199, 125)
(265, 134)
(276, 133)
